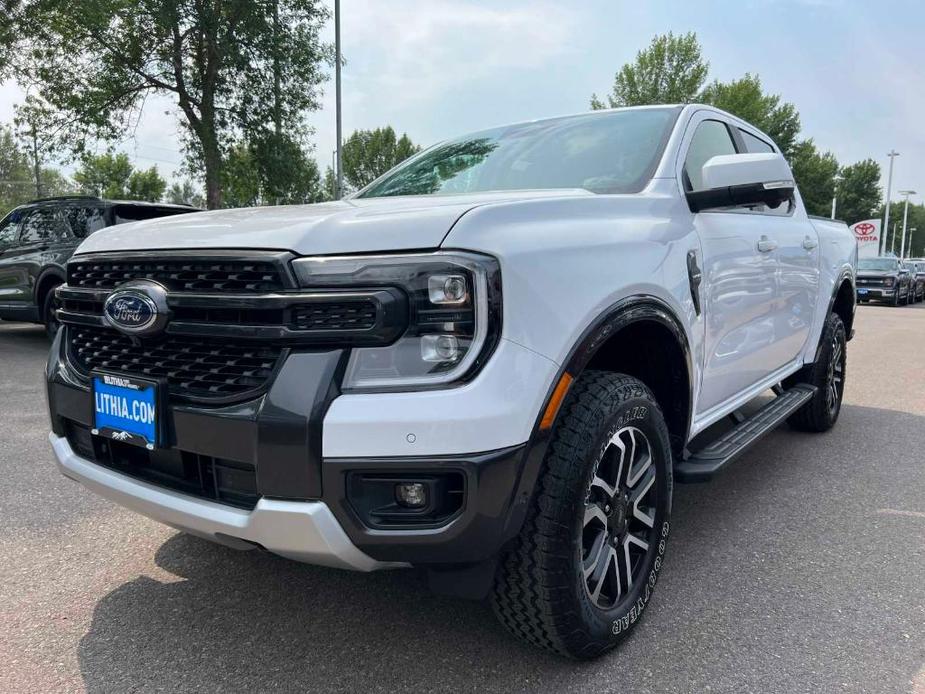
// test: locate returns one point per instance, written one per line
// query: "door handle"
(766, 245)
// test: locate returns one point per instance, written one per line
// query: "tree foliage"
(745, 98)
(915, 228)
(113, 176)
(184, 192)
(235, 70)
(16, 186)
(670, 71)
(859, 191)
(250, 179)
(370, 153)
(815, 174)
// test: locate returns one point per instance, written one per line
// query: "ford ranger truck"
(492, 364)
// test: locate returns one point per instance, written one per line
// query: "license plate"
(126, 409)
(862, 291)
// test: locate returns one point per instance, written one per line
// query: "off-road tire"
(542, 592)
(826, 373)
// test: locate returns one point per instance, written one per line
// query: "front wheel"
(587, 559)
(50, 314)
(828, 375)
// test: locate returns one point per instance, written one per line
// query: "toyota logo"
(137, 308)
(864, 229)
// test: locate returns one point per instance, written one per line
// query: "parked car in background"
(883, 279)
(916, 269)
(38, 238)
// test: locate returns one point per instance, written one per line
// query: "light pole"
(902, 245)
(340, 155)
(911, 232)
(835, 194)
(892, 154)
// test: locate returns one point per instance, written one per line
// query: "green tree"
(745, 98)
(113, 176)
(670, 71)
(105, 175)
(915, 228)
(370, 153)
(16, 185)
(249, 180)
(815, 174)
(230, 67)
(145, 185)
(859, 191)
(184, 193)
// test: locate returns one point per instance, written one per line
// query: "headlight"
(454, 315)
(888, 282)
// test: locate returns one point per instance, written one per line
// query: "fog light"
(411, 494)
(439, 348)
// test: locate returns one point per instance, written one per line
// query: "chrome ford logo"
(137, 308)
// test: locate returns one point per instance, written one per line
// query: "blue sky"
(437, 68)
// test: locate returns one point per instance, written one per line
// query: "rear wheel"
(828, 375)
(586, 562)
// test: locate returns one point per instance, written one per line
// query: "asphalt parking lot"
(801, 569)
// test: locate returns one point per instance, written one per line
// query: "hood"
(877, 273)
(363, 225)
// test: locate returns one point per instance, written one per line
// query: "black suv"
(36, 240)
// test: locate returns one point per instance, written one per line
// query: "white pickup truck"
(493, 363)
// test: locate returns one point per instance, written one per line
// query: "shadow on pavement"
(764, 561)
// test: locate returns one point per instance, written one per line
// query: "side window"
(712, 139)
(8, 230)
(44, 225)
(755, 145)
(85, 220)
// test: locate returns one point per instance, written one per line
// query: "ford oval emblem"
(137, 308)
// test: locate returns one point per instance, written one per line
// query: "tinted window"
(8, 231)
(43, 225)
(755, 145)
(136, 213)
(85, 220)
(603, 153)
(712, 139)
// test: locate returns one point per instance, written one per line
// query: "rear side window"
(712, 139)
(755, 145)
(43, 225)
(85, 220)
(8, 231)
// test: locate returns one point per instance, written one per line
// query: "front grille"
(193, 367)
(225, 481)
(217, 275)
(343, 315)
(870, 281)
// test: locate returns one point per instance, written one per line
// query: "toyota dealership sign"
(868, 235)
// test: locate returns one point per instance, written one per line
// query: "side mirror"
(732, 180)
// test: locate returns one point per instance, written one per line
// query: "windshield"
(613, 152)
(879, 264)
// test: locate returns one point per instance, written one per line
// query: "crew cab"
(493, 363)
(883, 279)
(38, 237)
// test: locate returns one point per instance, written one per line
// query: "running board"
(702, 465)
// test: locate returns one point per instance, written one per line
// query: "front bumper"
(300, 443)
(302, 530)
(875, 293)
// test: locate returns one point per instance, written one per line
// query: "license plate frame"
(112, 398)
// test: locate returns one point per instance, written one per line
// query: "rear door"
(43, 233)
(9, 245)
(796, 251)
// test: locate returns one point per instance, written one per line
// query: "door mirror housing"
(734, 180)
